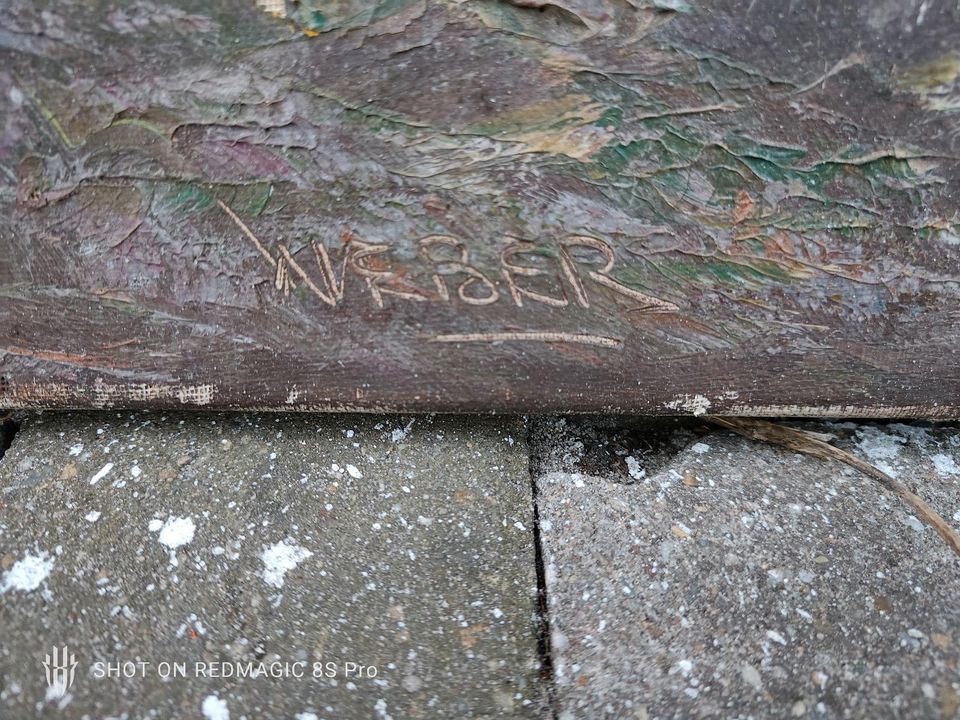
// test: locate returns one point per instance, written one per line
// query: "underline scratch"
(546, 337)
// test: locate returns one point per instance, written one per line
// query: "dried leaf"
(808, 443)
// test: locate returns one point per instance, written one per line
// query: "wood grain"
(657, 206)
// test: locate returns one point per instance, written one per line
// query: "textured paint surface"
(656, 206)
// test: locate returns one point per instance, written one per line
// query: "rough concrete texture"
(396, 543)
(693, 573)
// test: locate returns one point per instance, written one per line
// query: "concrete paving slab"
(692, 573)
(392, 557)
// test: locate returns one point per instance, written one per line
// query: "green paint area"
(745, 147)
(707, 272)
(255, 198)
(612, 117)
(317, 16)
(191, 198)
(315, 20)
(680, 173)
(188, 198)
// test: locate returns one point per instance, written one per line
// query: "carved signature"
(581, 260)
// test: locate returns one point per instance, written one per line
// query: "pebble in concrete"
(704, 575)
(393, 557)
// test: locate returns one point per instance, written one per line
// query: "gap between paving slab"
(8, 430)
(544, 649)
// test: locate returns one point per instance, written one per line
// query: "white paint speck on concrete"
(28, 573)
(751, 676)
(400, 434)
(280, 558)
(885, 467)
(636, 470)
(101, 473)
(945, 464)
(878, 445)
(776, 637)
(174, 533)
(92, 516)
(380, 706)
(914, 524)
(214, 708)
(177, 531)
